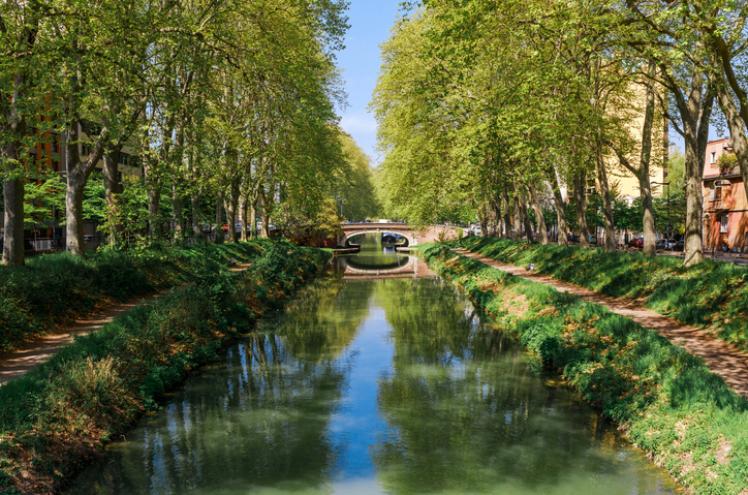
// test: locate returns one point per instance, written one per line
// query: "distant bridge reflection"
(362, 267)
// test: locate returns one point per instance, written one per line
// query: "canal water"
(388, 384)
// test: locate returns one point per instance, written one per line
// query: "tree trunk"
(197, 231)
(694, 247)
(580, 193)
(507, 218)
(529, 234)
(560, 206)
(13, 241)
(154, 201)
(496, 212)
(645, 188)
(253, 219)
(233, 209)
(243, 211)
(219, 219)
(540, 227)
(177, 208)
(112, 187)
(607, 197)
(76, 182)
(648, 218)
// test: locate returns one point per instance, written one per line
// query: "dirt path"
(723, 359)
(41, 349)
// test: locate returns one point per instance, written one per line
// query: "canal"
(386, 384)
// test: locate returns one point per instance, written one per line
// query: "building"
(725, 202)
(49, 154)
(630, 108)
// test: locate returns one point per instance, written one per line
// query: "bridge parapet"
(415, 236)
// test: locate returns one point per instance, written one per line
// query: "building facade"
(725, 201)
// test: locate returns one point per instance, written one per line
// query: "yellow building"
(631, 111)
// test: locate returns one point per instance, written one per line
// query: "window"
(714, 157)
(723, 219)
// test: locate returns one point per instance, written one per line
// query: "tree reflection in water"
(471, 417)
(368, 387)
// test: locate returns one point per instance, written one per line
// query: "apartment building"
(725, 202)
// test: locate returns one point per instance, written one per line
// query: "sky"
(371, 21)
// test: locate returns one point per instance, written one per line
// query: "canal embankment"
(712, 295)
(51, 291)
(666, 401)
(57, 417)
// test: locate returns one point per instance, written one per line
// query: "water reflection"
(389, 386)
(377, 260)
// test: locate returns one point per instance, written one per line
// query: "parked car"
(637, 243)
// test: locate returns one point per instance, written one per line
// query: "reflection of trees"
(258, 421)
(325, 319)
(468, 412)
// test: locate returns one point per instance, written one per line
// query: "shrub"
(53, 289)
(666, 401)
(713, 293)
(60, 414)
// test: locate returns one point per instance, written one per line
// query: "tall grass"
(666, 401)
(53, 289)
(713, 294)
(60, 414)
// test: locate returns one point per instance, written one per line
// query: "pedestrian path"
(722, 358)
(41, 348)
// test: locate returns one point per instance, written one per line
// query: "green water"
(373, 387)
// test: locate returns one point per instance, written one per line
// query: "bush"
(57, 416)
(53, 289)
(713, 293)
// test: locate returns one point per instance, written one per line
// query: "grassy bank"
(52, 289)
(713, 294)
(665, 400)
(57, 417)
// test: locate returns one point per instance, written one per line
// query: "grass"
(58, 416)
(665, 400)
(53, 289)
(712, 294)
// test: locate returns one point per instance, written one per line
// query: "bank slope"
(666, 401)
(56, 418)
(711, 294)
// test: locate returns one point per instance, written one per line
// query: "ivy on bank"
(666, 401)
(53, 289)
(712, 294)
(58, 416)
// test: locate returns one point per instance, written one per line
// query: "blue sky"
(371, 21)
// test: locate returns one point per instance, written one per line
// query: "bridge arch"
(407, 234)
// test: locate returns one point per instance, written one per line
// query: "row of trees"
(496, 109)
(229, 107)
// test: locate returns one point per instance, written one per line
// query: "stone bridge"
(414, 235)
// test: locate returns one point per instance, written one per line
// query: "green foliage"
(66, 409)
(52, 289)
(356, 197)
(666, 401)
(41, 198)
(712, 294)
